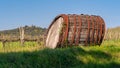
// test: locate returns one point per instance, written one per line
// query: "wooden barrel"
(72, 29)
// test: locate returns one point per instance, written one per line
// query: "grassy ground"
(36, 56)
(16, 47)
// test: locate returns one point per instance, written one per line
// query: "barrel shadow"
(55, 58)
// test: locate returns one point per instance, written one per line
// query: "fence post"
(21, 30)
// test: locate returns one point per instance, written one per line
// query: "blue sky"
(15, 13)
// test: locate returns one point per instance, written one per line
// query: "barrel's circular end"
(54, 33)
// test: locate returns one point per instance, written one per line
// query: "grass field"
(33, 55)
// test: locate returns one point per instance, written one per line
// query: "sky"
(16, 13)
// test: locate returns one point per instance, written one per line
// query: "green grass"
(16, 47)
(36, 56)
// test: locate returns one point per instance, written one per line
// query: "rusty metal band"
(100, 36)
(104, 26)
(97, 35)
(73, 37)
(95, 29)
(62, 29)
(88, 30)
(71, 21)
(103, 30)
(79, 29)
(65, 29)
(61, 34)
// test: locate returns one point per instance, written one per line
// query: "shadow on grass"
(57, 58)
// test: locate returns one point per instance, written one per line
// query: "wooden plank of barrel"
(75, 29)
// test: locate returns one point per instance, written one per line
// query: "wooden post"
(21, 30)
(38, 40)
(3, 41)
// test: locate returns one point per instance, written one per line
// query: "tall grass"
(36, 56)
(16, 47)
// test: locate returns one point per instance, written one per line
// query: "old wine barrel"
(72, 29)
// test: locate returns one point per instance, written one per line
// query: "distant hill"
(29, 30)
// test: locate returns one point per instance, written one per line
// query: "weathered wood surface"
(53, 35)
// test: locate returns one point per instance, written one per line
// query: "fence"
(22, 38)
